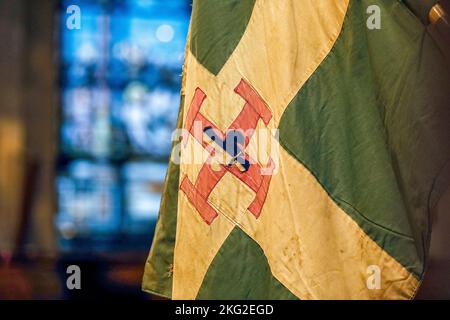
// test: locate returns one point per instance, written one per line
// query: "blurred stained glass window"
(120, 82)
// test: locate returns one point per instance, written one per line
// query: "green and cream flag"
(361, 115)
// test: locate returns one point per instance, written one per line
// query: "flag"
(354, 95)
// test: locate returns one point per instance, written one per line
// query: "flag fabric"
(359, 118)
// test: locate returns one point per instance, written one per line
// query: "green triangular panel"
(217, 27)
(240, 271)
(370, 125)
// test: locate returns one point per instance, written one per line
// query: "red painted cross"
(254, 109)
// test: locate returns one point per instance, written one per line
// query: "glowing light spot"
(165, 33)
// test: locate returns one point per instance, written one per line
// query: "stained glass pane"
(89, 199)
(120, 81)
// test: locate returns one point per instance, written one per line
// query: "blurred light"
(165, 33)
(68, 230)
(135, 91)
(87, 53)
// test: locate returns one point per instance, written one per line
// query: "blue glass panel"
(147, 118)
(134, 49)
(143, 183)
(86, 127)
(88, 199)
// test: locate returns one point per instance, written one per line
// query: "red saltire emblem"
(254, 109)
